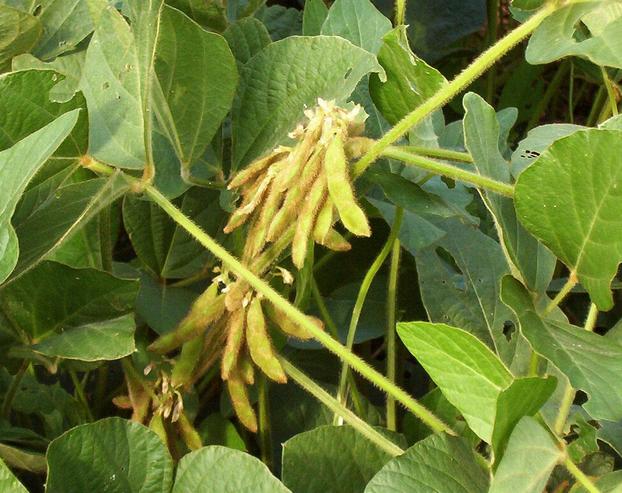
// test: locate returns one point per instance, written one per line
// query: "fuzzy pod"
(340, 189)
(258, 233)
(288, 212)
(188, 432)
(334, 241)
(186, 363)
(288, 326)
(241, 403)
(256, 168)
(246, 368)
(234, 298)
(207, 308)
(251, 201)
(355, 147)
(308, 214)
(299, 156)
(324, 221)
(157, 425)
(259, 344)
(235, 340)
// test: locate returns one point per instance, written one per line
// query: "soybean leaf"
(66, 23)
(19, 32)
(281, 22)
(609, 483)
(359, 22)
(208, 13)
(124, 456)
(527, 258)
(8, 482)
(410, 81)
(56, 298)
(312, 463)
(18, 164)
(313, 17)
(246, 38)
(591, 362)
(529, 459)
(21, 459)
(524, 397)
(611, 433)
(437, 464)
(586, 29)
(570, 198)
(225, 470)
(465, 369)
(325, 66)
(217, 430)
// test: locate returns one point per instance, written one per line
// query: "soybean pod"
(187, 361)
(235, 339)
(241, 403)
(324, 221)
(256, 168)
(306, 221)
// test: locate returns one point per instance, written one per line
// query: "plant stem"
(12, 390)
(551, 90)
(455, 87)
(580, 476)
(330, 402)
(321, 306)
(566, 288)
(77, 384)
(265, 441)
(461, 157)
(571, 102)
(613, 103)
(390, 337)
(400, 12)
(599, 99)
(449, 171)
(362, 294)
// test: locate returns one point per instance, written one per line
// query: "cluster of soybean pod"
(307, 185)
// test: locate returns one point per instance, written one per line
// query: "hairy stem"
(12, 390)
(580, 476)
(265, 441)
(400, 12)
(461, 157)
(455, 87)
(390, 337)
(563, 292)
(613, 103)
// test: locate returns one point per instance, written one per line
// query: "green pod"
(259, 344)
(289, 327)
(186, 363)
(241, 403)
(251, 201)
(256, 168)
(334, 241)
(207, 308)
(324, 221)
(246, 368)
(355, 147)
(235, 339)
(188, 432)
(306, 220)
(340, 189)
(299, 157)
(235, 295)
(157, 425)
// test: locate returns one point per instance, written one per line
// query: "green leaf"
(56, 298)
(410, 81)
(324, 66)
(586, 29)
(217, 430)
(591, 362)
(21, 459)
(8, 482)
(609, 483)
(359, 22)
(570, 198)
(19, 32)
(313, 17)
(527, 258)
(198, 77)
(437, 464)
(66, 23)
(224, 470)
(524, 397)
(281, 22)
(209, 13)
(18, 165)
(165, 248)
(119, 455)
(529, 459)
(313, 464)
(246, 38)
(465, 369)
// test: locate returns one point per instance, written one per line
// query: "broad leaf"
(526, 257)
(324, 66)
(19, 32)
(281, 22)
(246, 38)
(591, 362)
(208, 13)
(18, 165)
(587, 29)
(313, 17)
(410, 81)
(359, 22)
(467, 371)
(313, 464)
(529, 459)
(224, 470)
(198, 77)
(122, 456)
(571, 199)
(8, 482)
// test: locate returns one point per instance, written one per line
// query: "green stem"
(449, 171)
(455, 87)
(321, 306)
(564, 291)
(390, 337)
(362, 294)
(599, 99)
(551, 90)
(12, 390)
(331, 403)
(79, 388)
(400, 12)
(610, 91)
(265, 441)
(571, 102)
(105, 237)
(580, 476)
(461, 157)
